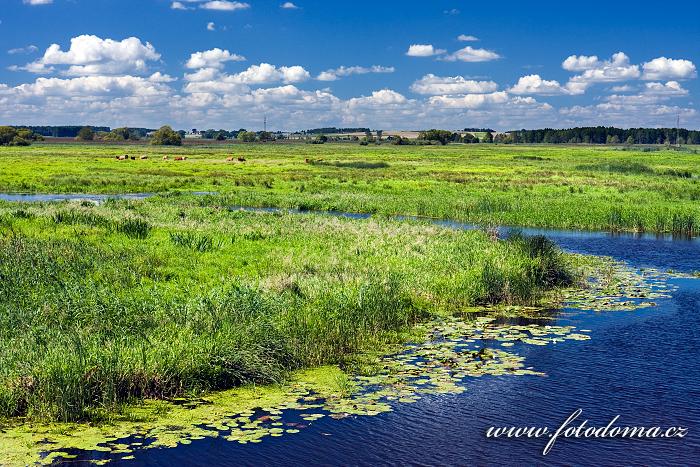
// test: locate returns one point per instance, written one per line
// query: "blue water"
(642, 365)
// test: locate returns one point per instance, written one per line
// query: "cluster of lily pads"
(612, 286)
(453, 350)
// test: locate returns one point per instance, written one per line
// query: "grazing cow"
(229, 159)
(133, 158)
(165, 158)
(123, 158)
(241, 159)
(179, 158)
(307, 161)
(143, 158)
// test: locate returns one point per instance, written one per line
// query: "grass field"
(597, 188)
(104, 305)
(183, 294)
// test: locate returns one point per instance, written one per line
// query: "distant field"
(549, 186)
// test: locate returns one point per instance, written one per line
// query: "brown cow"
(307, 161)
(241, 159)
(229, 159)
(179, 158)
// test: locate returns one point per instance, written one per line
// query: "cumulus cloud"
(534, 84)
(343, 71)
(618, 68)
(423, 50)
(179, 6)
(469, 101)
(668, 68)
(37, 2)
(214, 58)
(432, 85)
(581, 63)
(289, 6)
(467, 38)
(92, 55)
(211, 26)
(224, 5)
(470, 54)
(266, 73)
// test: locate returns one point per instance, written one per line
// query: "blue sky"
(387, 65)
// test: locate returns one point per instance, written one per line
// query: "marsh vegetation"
(584, 187)
(177, 296)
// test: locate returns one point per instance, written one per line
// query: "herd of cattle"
(126, 157)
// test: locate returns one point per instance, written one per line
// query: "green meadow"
(179, 295)
(582, 187)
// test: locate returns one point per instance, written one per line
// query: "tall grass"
(90, 320)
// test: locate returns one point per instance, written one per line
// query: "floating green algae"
(449, 351)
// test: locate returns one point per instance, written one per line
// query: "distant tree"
(246, 136)
(379, 134)
(613, 139)
(321, 139)
(469, 138)
(503, 138)
(265, 136)
(221, 136)
(441, 136)
(166, 136)
(630, 140)
(85, 134)
(10, 136)
(487, 138)
(118, 134)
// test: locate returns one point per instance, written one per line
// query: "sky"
(392, 65)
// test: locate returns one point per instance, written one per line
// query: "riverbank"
(590, 188)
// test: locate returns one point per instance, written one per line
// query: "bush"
(165, 136)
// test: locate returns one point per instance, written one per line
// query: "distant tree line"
(600, 135)
(11, 136)
(334, 130)
(65, 131)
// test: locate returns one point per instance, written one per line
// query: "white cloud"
(581, 63)
(668, 68)
(211, 26)
(342, 71)
(385, 97)
(452, 12)
(469, 101)
(224, 5)
(91, 55)
(179, 6)
(618, 68)
(423, 50)
(534, 84)
(432, 85)
(37, 2)
(467, 38)
(670, 88)
(622, 88)
(266, 73)
(470, 54)
(289, 6)
(214, 58)
(30, 49)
